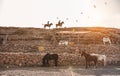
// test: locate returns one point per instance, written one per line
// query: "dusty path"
(61, 71)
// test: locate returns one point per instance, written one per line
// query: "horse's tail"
(56, 25)
(44, 25)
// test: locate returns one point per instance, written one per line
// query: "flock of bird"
(94, 6)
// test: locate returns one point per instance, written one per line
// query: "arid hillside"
(29, 39)
(33, 43)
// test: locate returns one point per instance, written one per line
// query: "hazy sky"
(34, 13)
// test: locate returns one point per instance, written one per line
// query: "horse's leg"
(56, 26)
(86, 64)
(56, 62)
(89, 64)
(103, 42)
(109, 42)
(95, 64)
(47, 62)
(104, 61)
(43, 62)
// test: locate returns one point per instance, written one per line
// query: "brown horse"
(59, 24)
(48, 25)
(89, 58)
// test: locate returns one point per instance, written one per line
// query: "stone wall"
(35, 59)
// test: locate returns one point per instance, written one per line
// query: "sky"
(74, 13)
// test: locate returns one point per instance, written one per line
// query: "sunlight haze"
(74, 13)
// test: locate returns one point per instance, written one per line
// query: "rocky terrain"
(61, 71)
(27, 46)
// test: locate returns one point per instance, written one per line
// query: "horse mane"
(62, 22)
(51, 23)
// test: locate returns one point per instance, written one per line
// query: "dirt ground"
(61, 71)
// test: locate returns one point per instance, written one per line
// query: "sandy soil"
(61, 71)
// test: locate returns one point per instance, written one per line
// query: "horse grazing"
(106, 40)
(48, 57)
(59, 24)
(63, 42)
(89, 58)
(48, 25)
(100, 58)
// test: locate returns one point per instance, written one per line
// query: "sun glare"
(75, 13)
(97, 17)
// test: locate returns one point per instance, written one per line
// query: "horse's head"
(82, 53)
(62, 22)
(51, 23)
(44, 25)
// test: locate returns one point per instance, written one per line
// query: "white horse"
(100, 57)
(63, 42)
(106, 39)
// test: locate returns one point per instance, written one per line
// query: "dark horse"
(59, 24)
(48, 25)
(89, 58)
(48, 57)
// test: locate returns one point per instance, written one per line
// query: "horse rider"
(48, 22)
(59, 22)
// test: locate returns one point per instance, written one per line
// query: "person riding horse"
(59, 23)
(48, 25)
(48, 22)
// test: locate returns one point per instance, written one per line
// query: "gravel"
(61, 71)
